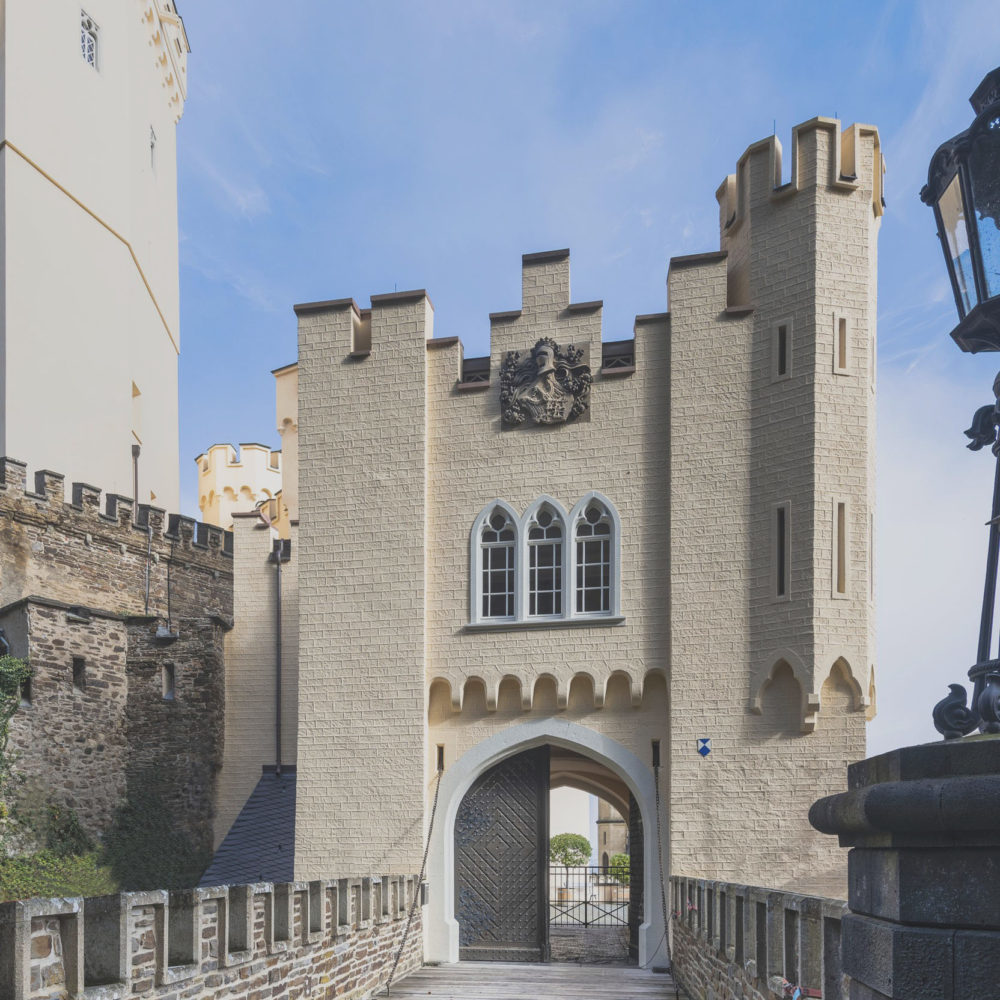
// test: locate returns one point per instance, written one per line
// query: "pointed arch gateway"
(456, 918)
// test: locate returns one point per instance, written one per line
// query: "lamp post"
(963, 188)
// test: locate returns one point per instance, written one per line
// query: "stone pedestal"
(923, 825)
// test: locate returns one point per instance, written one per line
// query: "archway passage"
(508, 904)
(596, 908)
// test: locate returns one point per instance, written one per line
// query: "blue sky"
(331, 149)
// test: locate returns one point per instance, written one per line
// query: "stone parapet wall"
(740, 942)
(328, 938)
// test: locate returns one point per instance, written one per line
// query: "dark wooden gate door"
(501, 855)
(635, 877)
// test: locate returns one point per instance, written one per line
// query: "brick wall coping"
(91, 612)
(696, 259)
(77, 609)
(413, 295)
(325, 305)
(544, 255)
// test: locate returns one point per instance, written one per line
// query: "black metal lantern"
(963, 188)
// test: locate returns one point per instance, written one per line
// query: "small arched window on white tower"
(544, 533)
(88, 39)
(595, 557)
(494, 564)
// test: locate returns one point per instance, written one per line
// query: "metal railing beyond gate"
(588, 895)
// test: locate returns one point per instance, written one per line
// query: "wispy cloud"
(247, 282)
(240, 196)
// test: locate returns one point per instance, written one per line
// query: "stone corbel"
(811, 713)
(562, 693)
(635, 686)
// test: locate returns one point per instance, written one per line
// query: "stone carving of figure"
(549, 386)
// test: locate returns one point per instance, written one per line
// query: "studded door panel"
(501, 853)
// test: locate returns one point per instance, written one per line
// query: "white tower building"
(89, 303)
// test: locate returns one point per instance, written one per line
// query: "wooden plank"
(521, 981)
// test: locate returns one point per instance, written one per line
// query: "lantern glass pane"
(953, 219)
(984, 175)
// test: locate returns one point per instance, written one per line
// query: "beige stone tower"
(599, 554)
(771, 504)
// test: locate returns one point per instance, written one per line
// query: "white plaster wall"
(569, 812)
(79, 323)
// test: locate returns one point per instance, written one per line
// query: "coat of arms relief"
(548, 385)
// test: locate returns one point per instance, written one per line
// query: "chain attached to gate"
(665, 940)
(419, 887)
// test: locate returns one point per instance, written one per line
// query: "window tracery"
(88, 39)
(498, 538)
(544, 566)
(545, 563)
(593, 560)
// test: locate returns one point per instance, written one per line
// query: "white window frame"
(522, 524)
(476, 616)
(523, 566)
(575, 516)
(88, 26)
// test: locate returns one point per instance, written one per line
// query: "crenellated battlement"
(822, 155)
(546, 309)
(250, 456)
(103, 550)
(118, 511)
(335, 935)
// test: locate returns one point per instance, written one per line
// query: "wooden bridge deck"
(522, 981)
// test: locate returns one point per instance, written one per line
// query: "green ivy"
(47, 874)
(64, 833)
(14, 674)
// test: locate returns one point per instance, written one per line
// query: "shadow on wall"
(144, 847)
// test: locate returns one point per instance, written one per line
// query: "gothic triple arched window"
(545, 565)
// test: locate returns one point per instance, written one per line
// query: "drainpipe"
(135, 475)
(276, 555)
